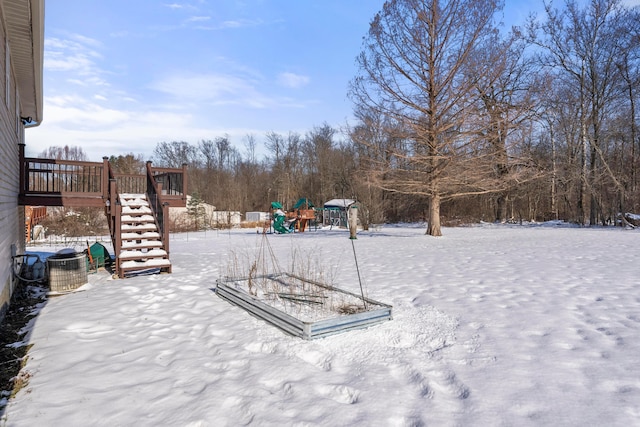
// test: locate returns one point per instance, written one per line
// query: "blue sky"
(121, 76)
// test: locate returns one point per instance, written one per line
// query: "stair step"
(138, 228)
(141, 218)
(132, 265)
(147, 235)
(153, 253)
(142, 210)
(134, 199)
(133, 196)
(145, 244)
(134, 204)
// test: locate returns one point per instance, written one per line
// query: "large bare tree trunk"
(501, 208)
(582, 212)
(433, 228)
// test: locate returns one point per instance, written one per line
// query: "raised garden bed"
(302, 307)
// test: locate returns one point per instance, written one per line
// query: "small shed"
(257, 216)
(334, 212)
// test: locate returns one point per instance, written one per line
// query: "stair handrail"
(113, 210)
(159, 206)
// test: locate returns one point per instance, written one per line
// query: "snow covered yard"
(493, 325)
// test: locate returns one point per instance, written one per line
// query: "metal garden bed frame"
(374, 311)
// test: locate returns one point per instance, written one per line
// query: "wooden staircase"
(138, 212)
(141, 249)
(136, 205)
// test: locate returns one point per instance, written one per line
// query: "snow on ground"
(493, 325)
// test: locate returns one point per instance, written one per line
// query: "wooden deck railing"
(129, 183)
(52, 182)
(171, 182)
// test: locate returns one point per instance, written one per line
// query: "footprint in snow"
(88, 331)
(339, 393)
(316, 358)
(164, 358)
(261, 347)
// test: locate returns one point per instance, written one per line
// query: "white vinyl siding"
(11, 215)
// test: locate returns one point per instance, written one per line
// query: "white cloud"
(79, 113)
(86, 106)
(203, 90)
(86, 41)
(241, 23)
(224, 25)
(58, 61)
(93, 81)
(292, 80)
(77, 58)
(120, 34)
(199, 18)
(180, 6)
(101, 131)
(216, 89)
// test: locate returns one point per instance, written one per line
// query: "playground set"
(304, 215)
(298, 219)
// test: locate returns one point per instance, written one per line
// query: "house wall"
(11, 134)
(211, 218)
(217, 218)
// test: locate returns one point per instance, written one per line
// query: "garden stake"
(364, 301)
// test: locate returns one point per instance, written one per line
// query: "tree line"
(458, 120)
(538, 123)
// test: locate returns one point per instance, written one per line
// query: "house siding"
(11, 134)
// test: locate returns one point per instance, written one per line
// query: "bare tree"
(207, 155)
(275, 143)
(128, 163)
(581, 43)
(250, 145)
(505, 108)
(174, 154)
(628, 65)
(64, 153)
(253, 176)
(318, 150)
(373, 142)
(413, 69)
